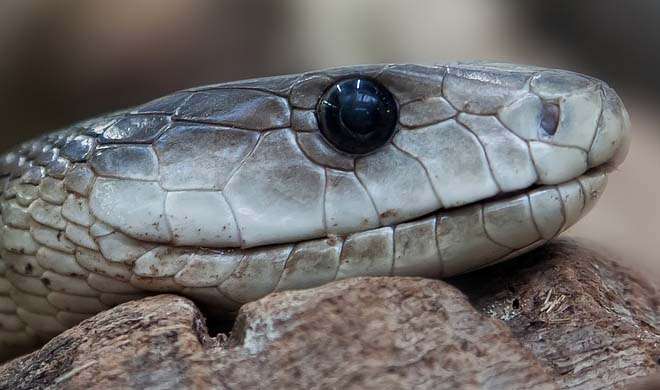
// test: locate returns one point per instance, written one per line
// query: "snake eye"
(357, 115)
(550, 118)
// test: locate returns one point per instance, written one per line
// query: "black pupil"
(357, 115)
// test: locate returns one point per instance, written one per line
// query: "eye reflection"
(357, 115)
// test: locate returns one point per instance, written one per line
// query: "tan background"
(67, 60)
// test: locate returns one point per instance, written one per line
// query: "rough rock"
(560, 317)
(593, 322)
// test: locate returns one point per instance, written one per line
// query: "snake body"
(226, 193)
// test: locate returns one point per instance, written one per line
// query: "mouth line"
(603, 169)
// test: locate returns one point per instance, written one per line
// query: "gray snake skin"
(228, 192)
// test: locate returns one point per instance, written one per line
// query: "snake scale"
(226, 193)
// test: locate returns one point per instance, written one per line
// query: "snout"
(612, 138)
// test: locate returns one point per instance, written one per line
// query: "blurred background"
(62, 61)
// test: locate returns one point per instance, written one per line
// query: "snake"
(226, 193)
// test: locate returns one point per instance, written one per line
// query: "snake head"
(347, 150)
(336, 152)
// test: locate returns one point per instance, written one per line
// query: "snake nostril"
(550, 118)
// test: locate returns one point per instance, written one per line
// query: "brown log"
(560, 317)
